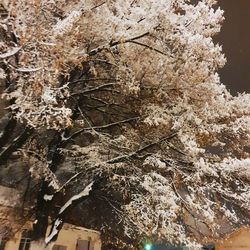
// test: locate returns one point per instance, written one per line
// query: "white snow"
(10, 53)
(54, 231)
(27, 70)
(58, 221)
(85, 192)
(49, 96)
(47, 197)
(63, 25)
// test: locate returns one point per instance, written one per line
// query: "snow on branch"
(10, 53)
(54, 231)
(76, 197)
(28, 70)
(55, 227)
(66, 24)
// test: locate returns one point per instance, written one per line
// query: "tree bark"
(43, 207)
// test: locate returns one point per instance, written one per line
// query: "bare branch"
(133, 154)
(149, 47)
(87, 91)
(100, 127)
(129, 40)
(93, 80)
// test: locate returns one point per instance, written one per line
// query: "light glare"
(148, 247)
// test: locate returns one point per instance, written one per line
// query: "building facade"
(70, 237)
(238, 240)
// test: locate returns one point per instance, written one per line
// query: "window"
(209, 247)
(83, 245)
(59, 247)
(25, 240)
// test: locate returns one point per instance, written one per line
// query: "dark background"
(235, 40)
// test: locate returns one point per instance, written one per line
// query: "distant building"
(238, 240)
(70, 237)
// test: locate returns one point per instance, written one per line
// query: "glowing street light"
(148, 246)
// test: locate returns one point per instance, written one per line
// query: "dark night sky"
(235, 40)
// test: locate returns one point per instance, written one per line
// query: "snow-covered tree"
(125, 95)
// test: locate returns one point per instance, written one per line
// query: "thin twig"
(87, 91)
(99, 5)
(129, 40)
(68, 181)
(101, 127)
(149, 47)
(131, 155)
(93, 80)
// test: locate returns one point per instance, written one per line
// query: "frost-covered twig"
(10, 53)
(106, 126)
(135, 153)
(68, 181)
(87, 91)
(28, 70)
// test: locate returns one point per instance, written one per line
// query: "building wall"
(70, 234)
(239, 240)
(13, 244)
(68, 237)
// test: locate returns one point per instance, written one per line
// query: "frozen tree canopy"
(127, 92)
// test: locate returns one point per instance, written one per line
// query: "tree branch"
(133, 154)
(16, 143)
(59, 218)
(130, 40)
(93, 80)
(87, 91)
(99, 127)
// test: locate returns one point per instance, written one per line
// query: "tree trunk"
(43, 207)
